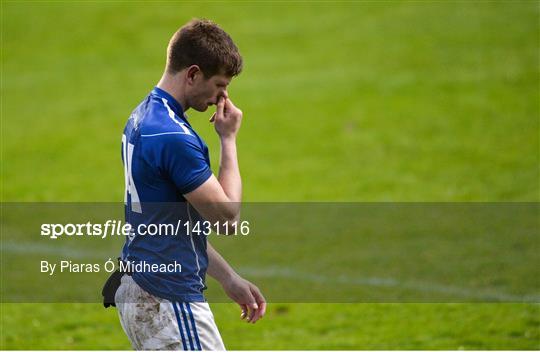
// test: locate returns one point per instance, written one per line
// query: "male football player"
(168, 178)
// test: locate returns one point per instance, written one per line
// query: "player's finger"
(248, 304)
(253, 307)
(226, 106)
(244, 311)
(261, 303)
(261, 310)
(213, 117)
(229, 104)
(251, 304)
(220, 107)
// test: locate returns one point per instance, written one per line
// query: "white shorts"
(153, 323)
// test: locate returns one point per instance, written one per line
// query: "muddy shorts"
(153, 323)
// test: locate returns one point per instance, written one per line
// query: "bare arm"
(229, 172)
(247, 295)
(218, 268)
(218, 199)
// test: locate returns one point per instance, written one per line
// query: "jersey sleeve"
(184, 161)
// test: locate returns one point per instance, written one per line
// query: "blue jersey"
(163, 159)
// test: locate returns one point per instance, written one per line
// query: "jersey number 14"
(127, 155)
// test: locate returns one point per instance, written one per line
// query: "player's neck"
(176, 89)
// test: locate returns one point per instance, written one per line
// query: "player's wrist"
(228, 277)
(228, 138)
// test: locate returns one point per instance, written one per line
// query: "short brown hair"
(202, 42)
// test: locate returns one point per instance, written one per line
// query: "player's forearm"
(229, 172)
(218, 268)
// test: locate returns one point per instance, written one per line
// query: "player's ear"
(192, 73)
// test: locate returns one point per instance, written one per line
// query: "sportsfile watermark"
(119, 228)
(294, 252)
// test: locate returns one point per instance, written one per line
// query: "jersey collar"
(175, 106)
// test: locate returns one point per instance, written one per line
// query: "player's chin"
(202, 107)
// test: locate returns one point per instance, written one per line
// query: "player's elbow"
(230, 212)
(223, 212)
(229, 219)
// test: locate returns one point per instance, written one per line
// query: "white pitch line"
(287, 273)
(42, 248)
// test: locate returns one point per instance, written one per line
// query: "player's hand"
(248, 296)
(227, 118)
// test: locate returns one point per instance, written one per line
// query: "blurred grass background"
(343, 101)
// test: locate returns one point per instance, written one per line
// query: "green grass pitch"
(343, 101)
